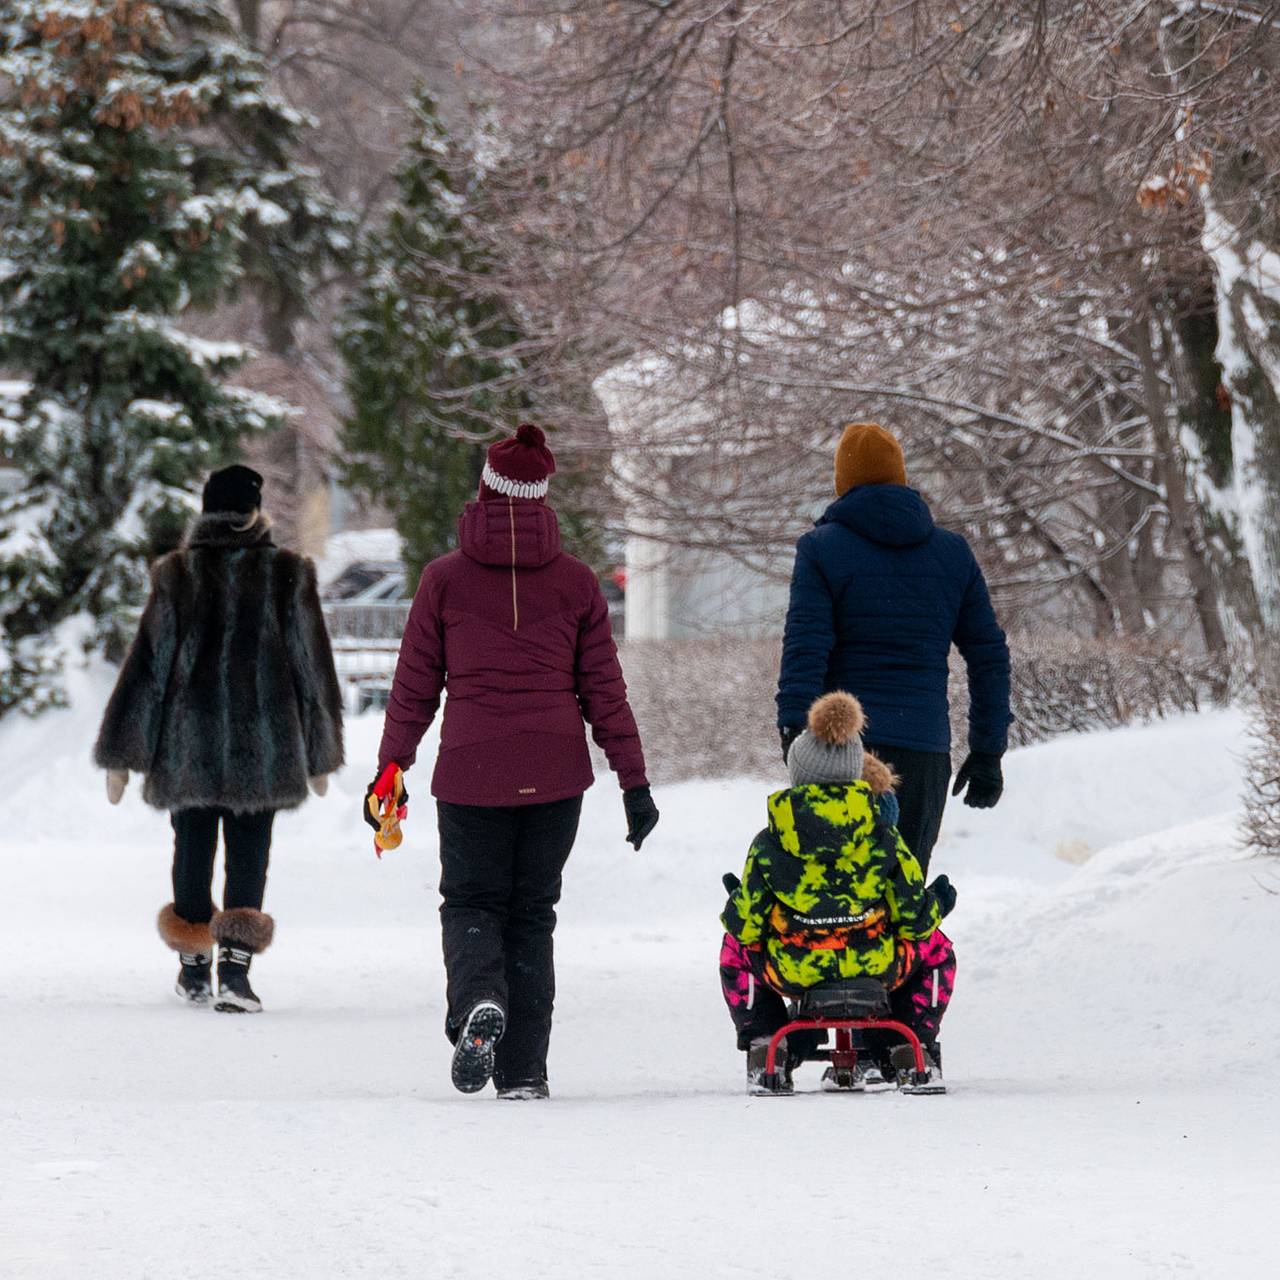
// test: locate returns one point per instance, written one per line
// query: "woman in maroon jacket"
(518, 632)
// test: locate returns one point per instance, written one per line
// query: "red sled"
(858, 1004)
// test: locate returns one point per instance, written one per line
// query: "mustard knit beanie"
(868, 454)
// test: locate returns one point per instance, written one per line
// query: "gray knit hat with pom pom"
(830, 749)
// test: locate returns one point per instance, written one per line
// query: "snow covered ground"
(1111, 1051)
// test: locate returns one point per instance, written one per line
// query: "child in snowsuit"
(228, 705)
(831, 892)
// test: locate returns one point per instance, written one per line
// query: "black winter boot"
(473, 1053)
(240, 932)
(235, 995)
(195, 978)
(193, 942)
(528, 1091)
(758, 1082)
(912, 1081)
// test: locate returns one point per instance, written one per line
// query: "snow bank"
(1109, 1050)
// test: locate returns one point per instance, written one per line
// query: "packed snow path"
(1111, 1051)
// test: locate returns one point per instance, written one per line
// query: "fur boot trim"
(878, 775)
(243, 927)
(183, 936)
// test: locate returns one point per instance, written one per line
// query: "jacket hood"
(514, 533)
(229, 529)
(890, 514)
(822, 820)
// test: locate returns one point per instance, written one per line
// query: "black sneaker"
(473, 1053)
(235, 995)
(195, 978)
(526, 1091)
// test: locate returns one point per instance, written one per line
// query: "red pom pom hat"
(520, 467)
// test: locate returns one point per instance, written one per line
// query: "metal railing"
(366, 643)
(377, 626)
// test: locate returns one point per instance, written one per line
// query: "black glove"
(731, 883)
(368, 817)
(788, 736)
(642, 814)
(981, 773)
(945, 892)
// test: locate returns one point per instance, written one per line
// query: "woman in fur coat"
(227, 704)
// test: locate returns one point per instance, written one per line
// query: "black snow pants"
(248, 841)
(500, 878)
(922, 795)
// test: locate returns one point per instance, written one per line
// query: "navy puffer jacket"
(878, 596)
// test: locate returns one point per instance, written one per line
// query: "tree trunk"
(1183, 513)
(1241, 238)
(280, 316)
(1190, 335)
(250, 12)
(1249, 351)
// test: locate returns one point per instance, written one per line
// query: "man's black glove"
(731, 882)
(368, 817)
(945, 892)
(981, 773)
(788, 735)
(642, 814)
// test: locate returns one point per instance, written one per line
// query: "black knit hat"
(236, 489)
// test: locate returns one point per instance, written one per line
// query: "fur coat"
(228, 698)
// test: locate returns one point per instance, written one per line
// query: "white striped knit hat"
(520, 467)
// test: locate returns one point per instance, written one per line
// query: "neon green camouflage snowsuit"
(830, 891)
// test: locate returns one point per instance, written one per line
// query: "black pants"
(500, 877)
(248, 840)
(922, 795)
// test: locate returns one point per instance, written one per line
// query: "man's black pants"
(500, 878)
(922, 795)
(248, 841)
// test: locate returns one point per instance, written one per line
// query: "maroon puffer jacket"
(519, 634)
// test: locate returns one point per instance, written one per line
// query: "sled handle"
(842, 1024)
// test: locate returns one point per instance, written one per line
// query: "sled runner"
(860, 1004)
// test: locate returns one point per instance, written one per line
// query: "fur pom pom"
(531, 435)
(879, 776)
(836, 718)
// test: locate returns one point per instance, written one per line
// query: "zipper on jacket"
(515, 598)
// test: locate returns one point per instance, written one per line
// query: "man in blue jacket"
(878, 596)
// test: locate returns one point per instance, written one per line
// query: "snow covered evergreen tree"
(429, 372)
(143, 170)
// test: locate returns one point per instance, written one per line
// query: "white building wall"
(674, 591)
(648, 585)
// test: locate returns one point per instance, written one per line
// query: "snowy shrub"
(1262, 784)
(1065, 683)
(705, 707)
